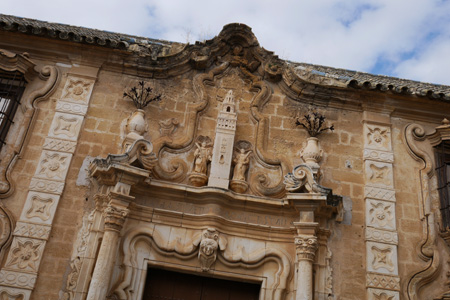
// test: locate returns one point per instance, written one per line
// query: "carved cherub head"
(209, 242)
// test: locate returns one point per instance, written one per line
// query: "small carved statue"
(209, 242)
(202, 155)
(241, 161)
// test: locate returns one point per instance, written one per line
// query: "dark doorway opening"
(168, 285)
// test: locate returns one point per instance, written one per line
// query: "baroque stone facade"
(233, 175)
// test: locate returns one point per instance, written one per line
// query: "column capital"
(306, 246)
(115, 217)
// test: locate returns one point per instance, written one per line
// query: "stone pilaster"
(18, 276)
(381, 236)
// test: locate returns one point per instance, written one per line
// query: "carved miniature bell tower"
(223, 143)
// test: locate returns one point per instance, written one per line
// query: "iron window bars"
(443, 178)
(12, 85)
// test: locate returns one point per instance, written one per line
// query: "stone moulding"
(139, 242)
(40, 86)
(419, 145)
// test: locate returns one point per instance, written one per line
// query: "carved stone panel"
(12, 278)
(382, 258)
(379, 193)
(60, 145)
(379, 174)
(9, 293)
(380, 214)
(381, 236)
(71, 108)
(46, 186)
(25, 254)
(377, 137)
(378, 155)
(40, 207)
(37, 231)
(386, 282)
(376, 294)
(77, 89)
(53, 165)
(65, 126)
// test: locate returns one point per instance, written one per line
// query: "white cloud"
(351, 34)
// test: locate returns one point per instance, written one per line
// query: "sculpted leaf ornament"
(25, 255)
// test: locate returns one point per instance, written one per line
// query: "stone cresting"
(380, 234)
(18, 276)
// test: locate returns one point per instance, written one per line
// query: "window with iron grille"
(12, 85)
(443, 176)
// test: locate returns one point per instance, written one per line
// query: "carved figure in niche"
(241, 160)
(202, 155)
(209, 242)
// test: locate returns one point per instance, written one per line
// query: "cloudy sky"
(401, 38)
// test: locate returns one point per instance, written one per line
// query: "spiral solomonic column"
(306, 247)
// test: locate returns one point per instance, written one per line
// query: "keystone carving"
(306, 246)
(210, 242)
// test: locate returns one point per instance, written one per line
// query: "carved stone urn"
(136, 124)
(312, 154)
(136, 127)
